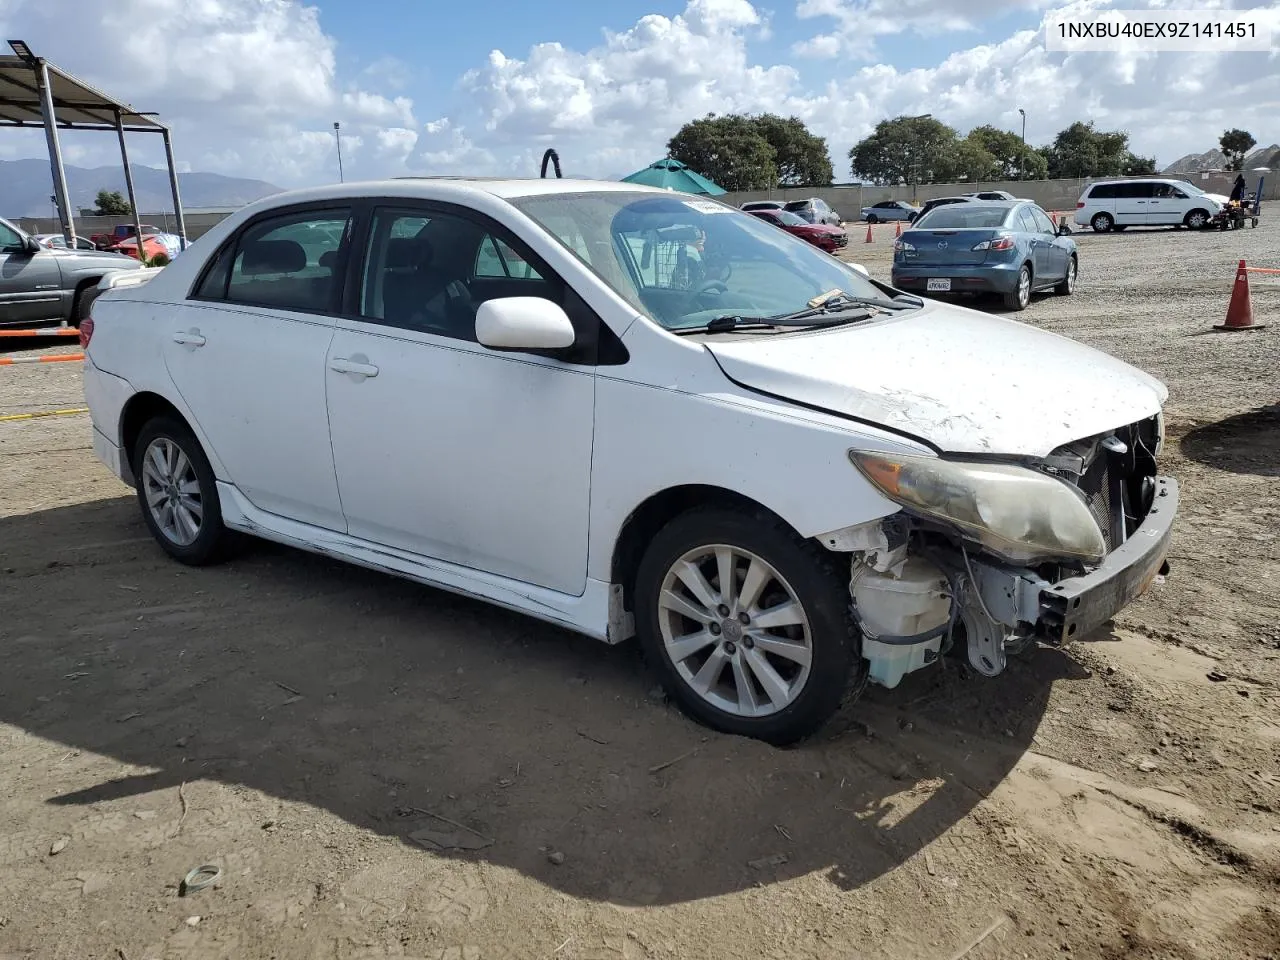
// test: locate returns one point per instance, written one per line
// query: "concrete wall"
(1052, 195)
(197, 223)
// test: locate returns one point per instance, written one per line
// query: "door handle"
(353, 367)
(189, 338)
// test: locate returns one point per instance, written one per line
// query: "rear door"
(1042, 263)
(1133, 201)
(1057, 254)
(247, 354)
(30, 283)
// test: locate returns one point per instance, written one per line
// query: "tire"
(793, 572)
(1196, 219)
(1068, 284)
(1102, 222)
(872, 218)
(166, 437)
(81, 303)
(1019, 298)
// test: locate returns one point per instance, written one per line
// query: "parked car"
(118, 234)
(153, 245)
(991, 195)
(58, 241)
(751, 205)
(1117, 204)
(40, 284)
(988, 246)
(941, 202)
(821, 235)
(710, 448)
(815, 210)
(890, 210)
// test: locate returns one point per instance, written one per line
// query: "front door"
(442, 447)
(30, 283)
(247, 354)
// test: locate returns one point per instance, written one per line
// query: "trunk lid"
(950, 247)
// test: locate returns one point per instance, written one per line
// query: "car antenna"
(554, 158)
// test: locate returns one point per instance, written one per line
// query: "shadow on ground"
(376, 700)
(1246, 443)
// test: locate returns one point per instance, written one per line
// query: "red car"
(821, 235)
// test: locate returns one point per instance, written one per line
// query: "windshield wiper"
(839, 301)
(734, 323)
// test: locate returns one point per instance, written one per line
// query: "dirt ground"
(298, 723)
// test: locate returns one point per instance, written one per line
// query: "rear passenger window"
(1028, 221)
(1104, 191)
(289, 262)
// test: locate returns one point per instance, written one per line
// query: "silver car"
(40, 284)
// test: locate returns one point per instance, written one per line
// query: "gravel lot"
(297, 722)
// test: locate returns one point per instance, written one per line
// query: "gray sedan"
(40, 284)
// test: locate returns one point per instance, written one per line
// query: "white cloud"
(258, 74)
(858, 22)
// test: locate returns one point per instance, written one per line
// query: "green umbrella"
(674, 175)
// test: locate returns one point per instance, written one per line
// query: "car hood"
(962, 381)
(99, 256)
(1219, 198)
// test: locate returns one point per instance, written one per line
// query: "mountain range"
(25, 187)
(1217, 160)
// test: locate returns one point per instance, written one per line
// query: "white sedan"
(633, 412)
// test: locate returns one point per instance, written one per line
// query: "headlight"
(1016, 512)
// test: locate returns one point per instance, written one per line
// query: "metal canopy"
(77, 106)
(35, 93)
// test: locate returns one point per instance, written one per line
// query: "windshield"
(684, 262)
(790, 219)
(956, 216)
(797, 205)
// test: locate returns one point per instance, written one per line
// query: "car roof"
(459, 187)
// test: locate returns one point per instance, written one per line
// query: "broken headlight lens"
(1013, 511)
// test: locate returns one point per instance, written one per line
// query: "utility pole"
(1022, 160)
(337, 135)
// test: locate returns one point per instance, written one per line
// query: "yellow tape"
(43, 413)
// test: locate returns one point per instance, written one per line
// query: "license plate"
(940, 284)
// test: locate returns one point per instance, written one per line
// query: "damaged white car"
(634, 412)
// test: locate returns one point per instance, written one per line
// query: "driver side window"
(10, 239)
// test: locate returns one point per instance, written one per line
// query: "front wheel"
(1196, 219)
(748, 625)
(178, 493)
(1020, 296)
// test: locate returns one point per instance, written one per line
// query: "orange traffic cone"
(899, 233)
(870, 239)
(1054, 217)
(1240, 309)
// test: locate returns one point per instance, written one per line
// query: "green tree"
(1235, 143)
(903, 150)
(110, 203)
(1136, 166)
(968, 160)
(730, 150)
(800, 156)
(1016, 159)
(1083, 151)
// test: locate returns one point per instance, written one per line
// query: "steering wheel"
(708, 286)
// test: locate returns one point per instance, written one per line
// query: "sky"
(252, 88)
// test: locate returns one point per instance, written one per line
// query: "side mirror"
(523, 323)
(31, 245)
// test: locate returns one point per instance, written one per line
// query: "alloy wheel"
(735, 630)
(172, 491)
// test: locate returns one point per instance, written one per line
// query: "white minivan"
(634, 412)
(1115, 204)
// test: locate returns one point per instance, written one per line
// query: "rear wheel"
(1102, 222)
(748, 625)
(1068, 284)
(178, 493)
(1020, 296)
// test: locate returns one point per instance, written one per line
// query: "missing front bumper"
(1072, 608)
